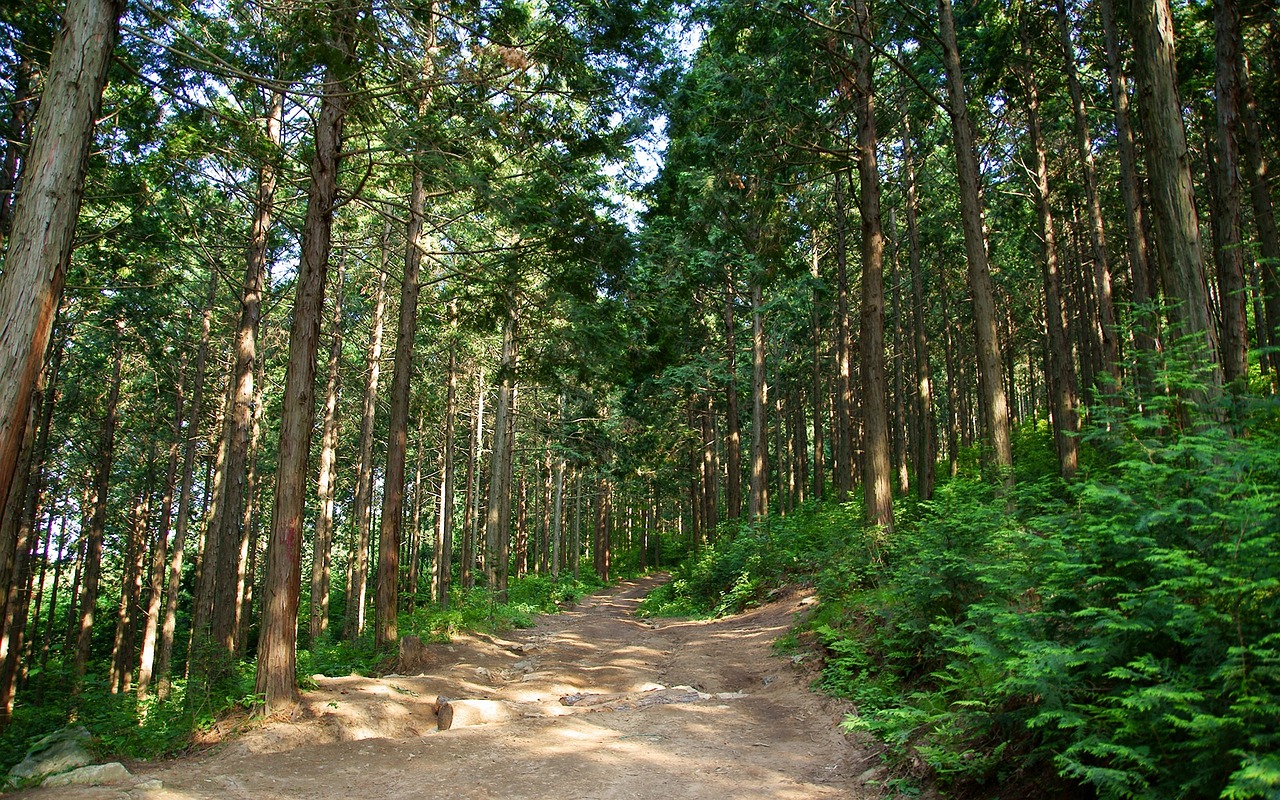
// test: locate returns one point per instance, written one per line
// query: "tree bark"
(322, 550)
(497, 528)
(1232, 288)
(276, 681)
(184, 498)
(758, 501)
(1135, 224)
(842, 429)
(1107, 331)
(995, 403)
(225, 541)
(98, 522)
(819, 457)
(45, 214)
(927, 437)
(733, 420)
(386, 604)
(358, 568)
(1177, 226)
(1061, 377)
(160, 547)
(877, 470)
(444, 509)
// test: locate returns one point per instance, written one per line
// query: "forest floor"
(755, 731)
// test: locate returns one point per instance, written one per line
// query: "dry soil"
(756, 732)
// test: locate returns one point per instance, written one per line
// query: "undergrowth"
(1120, 631)
(122, 726)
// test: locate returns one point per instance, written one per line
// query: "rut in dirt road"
(751, 729)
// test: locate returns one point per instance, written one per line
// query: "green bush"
(1124, 629)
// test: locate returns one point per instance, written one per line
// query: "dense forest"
(325, 323)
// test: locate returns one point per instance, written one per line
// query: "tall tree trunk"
(17, 132)
(358, 568)
(121, 671)
(322, 550)
(98, 522)
(497, 528)
(1263, 213)
(901, 423)
(1061, 377)
(876, 467)
(927, 437)
(842, 429)
(444, 509)
(276, 681)
(160, 548)
(995, 403)
(471, 512)
(1097, 235)
(1135, 224)
(386, 603)
(44, 218)
(216, 646)
(819, 458)
(191, 435)
(1230, 257)
(1177, 226)
(733, 429)
(758, 501)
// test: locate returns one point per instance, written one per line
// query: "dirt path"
(764, 736)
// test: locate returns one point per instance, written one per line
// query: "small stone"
(153, 785)
(93, 775)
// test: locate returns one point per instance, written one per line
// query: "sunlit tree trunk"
(44, 217)
(160, 548)
(362, 513)
(276, 681)
(322, 548)
(733, 426)
(498, 515)
(444, 508)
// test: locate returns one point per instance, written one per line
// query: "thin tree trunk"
(497, 526)
(1230, 256)
(819, 457)
(276, 681)
(121, 671)
(39, 248)
(160, 547)
(733, 430)
(927, 437)
(471, 513)
(1135, 224)
(842, 430)
(901, 424)
(995, 403)
(758, 502)
(1110, 357)
(1061, 376)
(353, 624)
(98, 522)
(876, 467)
(322, 552)
(444, 509)
(191, 435)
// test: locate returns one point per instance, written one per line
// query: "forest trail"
(765, 736)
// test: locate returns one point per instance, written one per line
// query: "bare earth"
(760, 733)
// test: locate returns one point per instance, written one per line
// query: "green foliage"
(1122, 629)
(741, 567)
